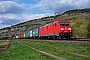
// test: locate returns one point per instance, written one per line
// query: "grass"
(62, 50)
(19, 51)
(3, 46)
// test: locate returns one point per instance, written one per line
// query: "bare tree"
(57, 13)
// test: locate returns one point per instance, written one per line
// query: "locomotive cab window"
(64, 24)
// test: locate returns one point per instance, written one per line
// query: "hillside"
(36, 23)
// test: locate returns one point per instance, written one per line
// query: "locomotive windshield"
(64, 24)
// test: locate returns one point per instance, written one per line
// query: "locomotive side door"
(56, 28)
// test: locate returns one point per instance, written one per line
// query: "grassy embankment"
(69, 51)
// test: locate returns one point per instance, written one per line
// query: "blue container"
(28, 33)
(37, 32)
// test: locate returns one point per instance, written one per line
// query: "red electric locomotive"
(58, 29)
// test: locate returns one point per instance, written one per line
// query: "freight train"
(59, 29)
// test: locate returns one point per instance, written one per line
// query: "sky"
(17, 11)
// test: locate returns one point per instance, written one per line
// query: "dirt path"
(4, 43)
(79, 54)
(56, 57)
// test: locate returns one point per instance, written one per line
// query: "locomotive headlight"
(69, 28)
(62, 29)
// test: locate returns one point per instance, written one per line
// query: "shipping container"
(22, 35)
(37, 32)
(33, 33)
(26, 34)
(19, 36)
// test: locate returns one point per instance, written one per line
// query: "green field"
(20, 50)
(68, 51)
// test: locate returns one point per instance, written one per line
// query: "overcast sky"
(16, 11)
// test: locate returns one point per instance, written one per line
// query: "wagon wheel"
(54, 37)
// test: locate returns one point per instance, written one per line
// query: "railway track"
(72, 39)
(65, 41)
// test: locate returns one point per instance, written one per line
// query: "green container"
(33, 32)
(26, 34)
